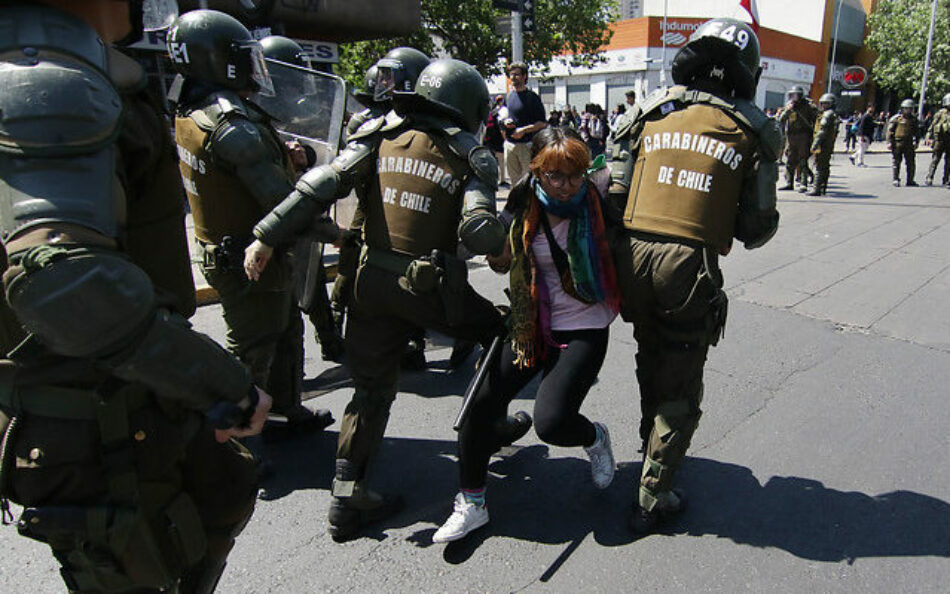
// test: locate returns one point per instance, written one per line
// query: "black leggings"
(566, 377)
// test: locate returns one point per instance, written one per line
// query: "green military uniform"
(823, 146)
(903, 130)
(798, 123)
(103, 446)
(702, 166)
(939, 135)
(235, 169)
(420, 170)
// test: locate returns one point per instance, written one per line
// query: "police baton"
(493, 351)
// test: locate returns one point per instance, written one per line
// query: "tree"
(466, 30)
(898, 34)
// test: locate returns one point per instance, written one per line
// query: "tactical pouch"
(706, 303)
(422, 276)
(112, 549)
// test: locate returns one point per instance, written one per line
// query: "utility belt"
(438, 272)
(105, 547)
(227, 255)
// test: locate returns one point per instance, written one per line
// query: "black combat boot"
(354, 505)
(644, 522)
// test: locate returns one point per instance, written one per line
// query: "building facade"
(797, 41)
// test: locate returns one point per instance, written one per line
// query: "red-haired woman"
(563, 297)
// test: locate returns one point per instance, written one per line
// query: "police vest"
(826, 128)
(797, 120)
(420, 192)
(220, 203)
(904, 128)
(689, 174)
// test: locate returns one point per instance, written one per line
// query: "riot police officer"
(309, 272)
(398, 69)
(431, 184)
(235, 168)
(826, 131)
(104, 442)
(704, 172)
(797, 120)
(938, 136)
(903, 135)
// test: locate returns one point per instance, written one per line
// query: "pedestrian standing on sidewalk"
(564, 296)
(866, 127)
(525, 117)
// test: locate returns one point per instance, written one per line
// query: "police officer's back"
(704, 172)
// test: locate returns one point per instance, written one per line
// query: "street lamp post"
(930, 43)
(834, 48)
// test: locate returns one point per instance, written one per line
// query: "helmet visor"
(158, 14)
(385, 83)
(259, 73)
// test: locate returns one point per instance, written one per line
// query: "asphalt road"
(819, 464)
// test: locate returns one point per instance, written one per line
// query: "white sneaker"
(601, 459)
(466, 518)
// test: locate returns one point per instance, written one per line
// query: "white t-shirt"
(567, 313)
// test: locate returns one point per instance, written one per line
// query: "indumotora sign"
(676, 32)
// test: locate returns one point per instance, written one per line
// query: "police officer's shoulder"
(383, 123)
(626, 122)
(662, 99)
(234, 138)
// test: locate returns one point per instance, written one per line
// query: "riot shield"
(308, 108)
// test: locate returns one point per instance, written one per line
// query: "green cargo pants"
(385, 311)
(264, 328)
(677, 308)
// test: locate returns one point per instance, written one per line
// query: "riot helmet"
(827, 99)
(908, 104)
(366, 93)
(946, 100)
(456, 90)
(284, 49)
(796, 90)
(397, 72)
(721, 48)
(215, 47)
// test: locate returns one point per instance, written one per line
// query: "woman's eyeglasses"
(558, 179)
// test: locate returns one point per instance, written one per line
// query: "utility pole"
(517, 37)
(930, 43)
(834, 48)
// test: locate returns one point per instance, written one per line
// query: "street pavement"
(819, 464)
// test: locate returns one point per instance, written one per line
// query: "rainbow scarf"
(590, 276)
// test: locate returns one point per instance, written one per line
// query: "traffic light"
(527, 16)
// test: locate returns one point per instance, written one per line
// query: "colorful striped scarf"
(590, 276)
